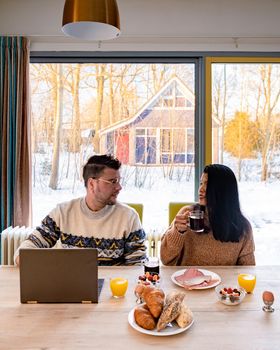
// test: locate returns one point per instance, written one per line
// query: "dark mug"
(196, 220)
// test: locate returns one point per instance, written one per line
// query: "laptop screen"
(58, 275)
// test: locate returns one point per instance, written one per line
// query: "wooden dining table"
(105, 325)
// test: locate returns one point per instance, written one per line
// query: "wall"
(156, 25)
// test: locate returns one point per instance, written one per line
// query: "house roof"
(147, 108)
(168, 118)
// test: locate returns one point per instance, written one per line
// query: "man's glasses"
(112, 182)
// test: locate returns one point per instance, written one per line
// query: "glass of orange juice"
(118, 286)
(247, 281)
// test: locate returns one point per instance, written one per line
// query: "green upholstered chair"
(139, 208)
(174, 207)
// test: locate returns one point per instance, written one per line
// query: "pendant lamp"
(91, 19)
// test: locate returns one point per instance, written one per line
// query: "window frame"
(208, 92)
(203, 81)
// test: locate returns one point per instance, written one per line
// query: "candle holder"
(268, 299)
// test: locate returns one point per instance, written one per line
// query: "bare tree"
(158, 76)
(111, 96)
(219, 107)
(223, 116)
(76, 125)
(267, 118)
(57, 131)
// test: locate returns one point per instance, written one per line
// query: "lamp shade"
(91, 19)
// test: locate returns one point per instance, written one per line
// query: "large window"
(164, 121)
(142, 113)
(246, 137)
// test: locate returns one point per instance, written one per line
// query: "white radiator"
(11, 238)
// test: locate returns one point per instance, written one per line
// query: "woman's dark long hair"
(226, 220)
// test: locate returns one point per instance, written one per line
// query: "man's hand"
(17, 260)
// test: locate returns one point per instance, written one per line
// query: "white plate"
(175, 329)
(214, 276)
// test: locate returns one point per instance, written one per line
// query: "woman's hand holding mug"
(181, 222)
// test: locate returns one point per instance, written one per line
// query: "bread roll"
(175, 296)
(185, 317)
(169, 313)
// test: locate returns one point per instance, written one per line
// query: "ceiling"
(172, 25)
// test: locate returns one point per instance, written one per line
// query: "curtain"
(15, 153)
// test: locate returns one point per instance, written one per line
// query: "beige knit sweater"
(115, 231)
(202, 249)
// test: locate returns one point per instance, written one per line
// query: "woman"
(227, 238)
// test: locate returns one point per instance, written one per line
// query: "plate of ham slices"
(195, 279)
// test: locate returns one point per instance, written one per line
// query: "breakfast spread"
(159, 310)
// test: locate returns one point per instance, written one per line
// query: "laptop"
(53, 275)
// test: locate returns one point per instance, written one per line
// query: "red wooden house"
(161, 132)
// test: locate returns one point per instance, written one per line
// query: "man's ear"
(90, 184)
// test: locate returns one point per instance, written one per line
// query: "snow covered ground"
(259, 202)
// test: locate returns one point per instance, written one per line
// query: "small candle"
(150, 240)
(156, 238)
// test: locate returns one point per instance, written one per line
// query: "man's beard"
(112, 202)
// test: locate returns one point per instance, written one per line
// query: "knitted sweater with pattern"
(115, 231)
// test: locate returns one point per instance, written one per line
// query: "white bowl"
(230, 295)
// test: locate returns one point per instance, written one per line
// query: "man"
(96, 220)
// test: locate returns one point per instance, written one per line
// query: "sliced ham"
(189, 274)
(193, 278)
